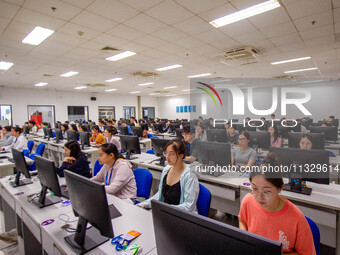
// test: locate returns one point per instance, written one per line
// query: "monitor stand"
(301, 190)
(21, 183)
(49, 200)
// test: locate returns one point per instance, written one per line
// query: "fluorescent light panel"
(145, 84)
(5, 65)
(199, 75)
(171, 87)
(153, 94)
(108, 90)
(37, 36)
(122, 55)
(68, 74)
(245, 13)
(40, 84)
(301, 70)
(80, 87)
(168, 67)
(290, 60)
(114, 79)
(186, 90)
(134, 92)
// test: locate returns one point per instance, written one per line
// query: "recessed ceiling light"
(311, 81)
(40, 84)
(153, 94)
(37, 35)
(134, 92)
(5, 65)
(171, 87)
(108, 90)
(245, 13)
(168, 67)
(122, 55)
(301, 70)
(170, 95)
(199, 75)
(80, 87)
(68, 74)
(145, 84)
(114, 79)
(289, 60)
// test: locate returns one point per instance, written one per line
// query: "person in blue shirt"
(189, 137)
(75, 160)
(123, 123)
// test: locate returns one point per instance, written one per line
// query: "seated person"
(97, 137)
(83, 128)
(189, 137)
(305, 142)
(275, 140)
(243, 155)
(264, 212)
(123, 123)
(64, 128)
(232, 136)
(116, 173)
(32, 127)
(6, 137)
(178, 185)
(19, 141)
(200, 134)
(75, 160)
(110, 137)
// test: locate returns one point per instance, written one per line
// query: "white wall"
(20, 98)
(167, 107)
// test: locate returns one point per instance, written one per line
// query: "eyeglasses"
(169, 154)
(266, 194)
(242, 139)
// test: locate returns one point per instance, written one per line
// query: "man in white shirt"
(31, 125)
(101, 125)
(6, 136)
(19, 142)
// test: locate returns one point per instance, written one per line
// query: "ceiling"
(162, 33)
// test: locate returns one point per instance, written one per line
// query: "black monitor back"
(173, 126)
(331, 133)
(85, 138)
(137, 131)
(179, 133)
(259, 139)
(158, 145)
(130, 143)
(283, 131)
(317, 144)
(20, 162)
(72, 135)
(217, 135)
(123, 130)
(58, 134)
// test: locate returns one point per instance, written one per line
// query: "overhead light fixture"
(114, 79)
(199, 75)
(134, 92)
(37, 36)
(245, 13)
(80, 87)
(68, 74)
(153, 94)
(5, 65)
(40, 84)
(171, 87)
(168, 67)
(301, 70)
(186, 90)
(170, 95)
(290, 60)
(108, 90)
(313, 81)
(122, 55)
(145, 84)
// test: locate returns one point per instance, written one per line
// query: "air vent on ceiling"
(47, 75)
(144, 74)
(241, 53)
(108, 48)
(96, 85)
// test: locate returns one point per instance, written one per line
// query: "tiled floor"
(7, 248)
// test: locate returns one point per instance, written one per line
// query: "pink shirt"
(277, 143)
(288, 226)
(122, 183)
(114, 140)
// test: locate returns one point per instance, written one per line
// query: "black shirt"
(171, 194)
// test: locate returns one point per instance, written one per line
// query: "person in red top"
(264, 212)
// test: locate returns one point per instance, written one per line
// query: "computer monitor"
(306, 163)
(158, 146)
(183, 233)
(57, 125)
(158, 127)
(45, 132)
(21, 167)
(173, 126)
(283, 131)
(58, 135)
(137, 131)
(85, 139)
(144, 126)
(179, 133)
(249, 128)
(123, 130)
(318, 140)
(72, 135)
(26, 130)
(239, 127)
(331, 133)
(217, 135)
(306, 123)
(259, 139)
(297, 128)
(49, 133)
(130, 144)
(94, 211)
(49, 180)
(213, 154)
(88, 127)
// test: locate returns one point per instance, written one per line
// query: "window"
(106, 112)
(79, 113)
(148, 112)
(5, 115)
(41, 113)
(129, 111)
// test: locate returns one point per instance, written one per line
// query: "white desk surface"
(61, 145)
(5, 163)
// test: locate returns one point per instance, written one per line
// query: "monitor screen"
(58, 134)
(331, 133)
(72, 135)
(144, 126)
(259, 139)
(283, 131)
(21, 168)
(158, 146)
(317, 144)
(49, 133)
(217, 135)
(94, 211)
(123, 130)
(85, 139)
(137, 131)
(184, 233)
(130, 144)
(158, 127)
(173, 126)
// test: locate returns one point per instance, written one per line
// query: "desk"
(164, 135)
(36, 239)
(6, 167)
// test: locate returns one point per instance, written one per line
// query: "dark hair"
(8, 128)
(84, 128)
(188, 129)
(276, 132)
(74, 127)
(178, 145)
(75, 149)
(65, 126)
(272, 160)
(246, 134)
(306, 136)
(109, 148)
(17, 129)
(111, 130)
(100, 121)
(32, 122)
(95, 127)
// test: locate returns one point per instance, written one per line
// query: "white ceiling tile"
(327, 40)
(86, 18)
(141, 5)
(243, 4)
(145, 23)
(218, 12)
(154, 53)
(109, 40)
(305, 8)
(281, 40)
(91, 45)
(4, 22)
(16, 2)
(170, 34)
(212, 35)
(277, 30)
(189, 42)
(292, 47)
(13, 36)
(336, 13)
(336, 3)
(161, 12)
(135, 47)
(63, 10)
(238, 28)
(20, 27)
(200, 6)
(276, 16)
(8, 10)
(193, 25)
(225, 44)
(321, 19)
(150, 41)
(173, 49)
(74, 30)
(68, 39)
(205, 49)
(250, 38)
(113, 9)
(317, 32)
(53, 48)
(337, 27)
(125, 32)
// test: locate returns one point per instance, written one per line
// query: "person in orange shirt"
(97, 137)
(264, 212)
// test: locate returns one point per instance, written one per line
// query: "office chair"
(203, 201)
(96, 168)
(150, 151)
(143, 181)
(30, 145)
(316, 234)
(39, 152)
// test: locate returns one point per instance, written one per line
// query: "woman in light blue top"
(178, 185)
